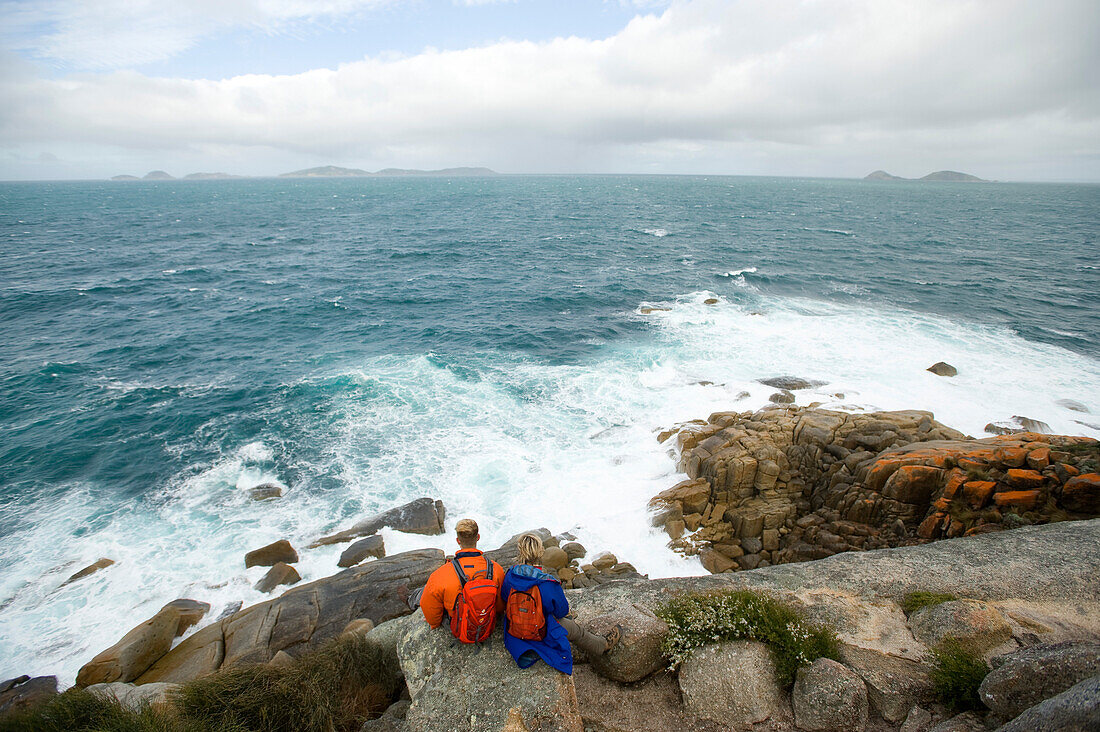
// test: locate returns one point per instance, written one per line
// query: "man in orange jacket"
(437, 599)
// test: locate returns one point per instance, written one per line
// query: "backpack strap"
(462, 579)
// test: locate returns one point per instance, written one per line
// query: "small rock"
(638, 652)
(573, 550)
(715, 562)
(752, 544)
(1076, 708)
(1082, 493)
(732, 684)
(782, 397)
(943, 369)
(281, 659)
(790, 383)
(371, 546)
(918, 720)
(230, 609)
(1072, 405)
(710, 301)
(359, 626)
(270, 555)
(281, 574)
(265, 491)
(554, 558)
(604, 561)
(977, 626)
(894, 685)
(92, 568)
(965, 722)
(829, 697)
(1023, 678)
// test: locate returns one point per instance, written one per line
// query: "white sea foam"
(570, 447)
(739, 272)
(656, 232)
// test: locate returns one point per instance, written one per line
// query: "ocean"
(510, 345)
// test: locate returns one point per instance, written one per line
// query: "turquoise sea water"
(481, 340)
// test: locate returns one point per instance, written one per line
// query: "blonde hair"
(530, 549)
(467, 532)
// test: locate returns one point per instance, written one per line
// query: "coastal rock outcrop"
(1026, 677)
(477, 687)
(793, 484)
(272, 554)
(422, 516)
(1076, 708)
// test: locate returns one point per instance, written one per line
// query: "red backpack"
(475, 610)
(526, 619)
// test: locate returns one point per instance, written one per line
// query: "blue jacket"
(555, 649)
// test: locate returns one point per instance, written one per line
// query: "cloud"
(823, 82)
(108, 34)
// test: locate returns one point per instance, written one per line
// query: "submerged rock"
(92, 568)
(265, 491)
(790, 383)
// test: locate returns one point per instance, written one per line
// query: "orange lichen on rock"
(1013, 457)
(1082, 494)
(955, 480)
(1039, 458)
(931, 526)
(977, 492)
(1018, 499)
(1020, 478)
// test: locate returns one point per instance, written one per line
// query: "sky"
(1003, 89)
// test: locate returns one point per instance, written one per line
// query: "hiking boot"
(613, 637)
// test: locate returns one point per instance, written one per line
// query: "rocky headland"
(948, 176)
(843, 518)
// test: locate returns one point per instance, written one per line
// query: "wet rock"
(27, 693)
(1072, 405)
(790, 383)
(191, 612)
(943, 369)
(1032, 425)
(281, 574)
(270, 555)
(135, 652)
(265, 491)
(573, 550)
(781, 397)
(1024, 678)
(92, 568)
(134, 697)
(422, 516)
(710, 301)
(1077, 708)
(604, 561)
(467, 687)
(977, 626)
(300, 619)
(371, 546)
(230, 609)
(829, 697)
(638, 653)
(733, 684)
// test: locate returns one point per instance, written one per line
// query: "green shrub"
(956, 675)
(335, 687)
(702, 619)
(916, 600)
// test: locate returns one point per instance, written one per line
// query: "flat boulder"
(790, 383)
(976, 626)
(135, 652)
(829, 697)
(894, 684)
(370, 546)
(270, 555)
(1023, 678)
(732, 684)
(638, 653)
(1076, 708)
(479, 687)
(265, 491)
(422, 516)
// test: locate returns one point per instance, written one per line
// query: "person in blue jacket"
(561, 628)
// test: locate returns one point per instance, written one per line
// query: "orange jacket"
(442, 589)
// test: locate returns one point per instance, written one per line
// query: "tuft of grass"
(335, 687)
(956, 675)
(332, 689)
(916, 600)
(79, 710)
(703, 619)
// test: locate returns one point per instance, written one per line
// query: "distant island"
(324, 171)
(950, 176)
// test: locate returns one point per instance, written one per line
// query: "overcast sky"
(1004, 89)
